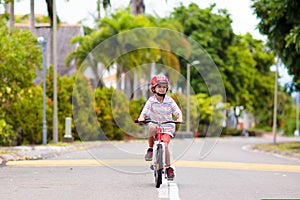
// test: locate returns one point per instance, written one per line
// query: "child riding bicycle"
(160, 107)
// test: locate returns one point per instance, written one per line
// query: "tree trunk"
(98, 10)
(50, 11)
(9, 8)
(32, 16)
(137, 7)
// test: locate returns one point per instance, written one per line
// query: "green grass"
(63, 144)
(286, 147)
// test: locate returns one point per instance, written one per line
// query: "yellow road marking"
(242, 166)
(181, 163)
(90, 162)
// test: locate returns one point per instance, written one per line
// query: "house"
(65, 32)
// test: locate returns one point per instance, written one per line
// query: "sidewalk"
(40, 152)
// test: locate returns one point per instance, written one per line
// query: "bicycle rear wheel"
(159, 166)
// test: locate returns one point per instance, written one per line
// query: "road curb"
(15, 157)
(2, 162)
(20, 153)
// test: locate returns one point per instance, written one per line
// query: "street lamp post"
(188, 74)
(274, 129)
(44, 43)
(297, 115)
(55, 121)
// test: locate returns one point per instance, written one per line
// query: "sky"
(73, 11)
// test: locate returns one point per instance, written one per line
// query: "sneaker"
(149, 154)
(170, 173)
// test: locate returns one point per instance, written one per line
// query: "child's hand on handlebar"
(141, 119)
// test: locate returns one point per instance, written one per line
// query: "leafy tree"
(240, 73)
(248, 76)
(280, 22)
(212, 31)
(244, 62)
(20, 56)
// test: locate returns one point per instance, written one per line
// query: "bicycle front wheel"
(158, 178)
(159, 166)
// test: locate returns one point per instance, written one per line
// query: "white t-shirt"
(162, 112)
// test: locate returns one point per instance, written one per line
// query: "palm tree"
(83, 56)
(121, 22)
(105, 4)
(50, 11)
(117, 27)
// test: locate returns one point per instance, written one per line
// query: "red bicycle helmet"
(158, 79)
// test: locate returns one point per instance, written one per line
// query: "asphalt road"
(205, 169)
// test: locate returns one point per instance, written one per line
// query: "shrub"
(231, 132)
(7, 134)
(84, 109)
(255, 132)
(27, 115)
(290, 127)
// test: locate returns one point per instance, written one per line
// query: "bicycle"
(158, 158)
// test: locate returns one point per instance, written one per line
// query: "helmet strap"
(159, 94)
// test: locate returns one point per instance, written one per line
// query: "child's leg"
(167, 139)
(151, 133)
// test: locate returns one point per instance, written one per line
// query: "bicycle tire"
(159, 166)
(159, 157)
(158, 178)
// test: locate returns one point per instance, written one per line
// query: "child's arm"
(145, 111)
(179, 117)
(176, 111)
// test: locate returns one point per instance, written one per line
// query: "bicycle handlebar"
(155, 122)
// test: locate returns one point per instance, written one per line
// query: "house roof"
(65, 32)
